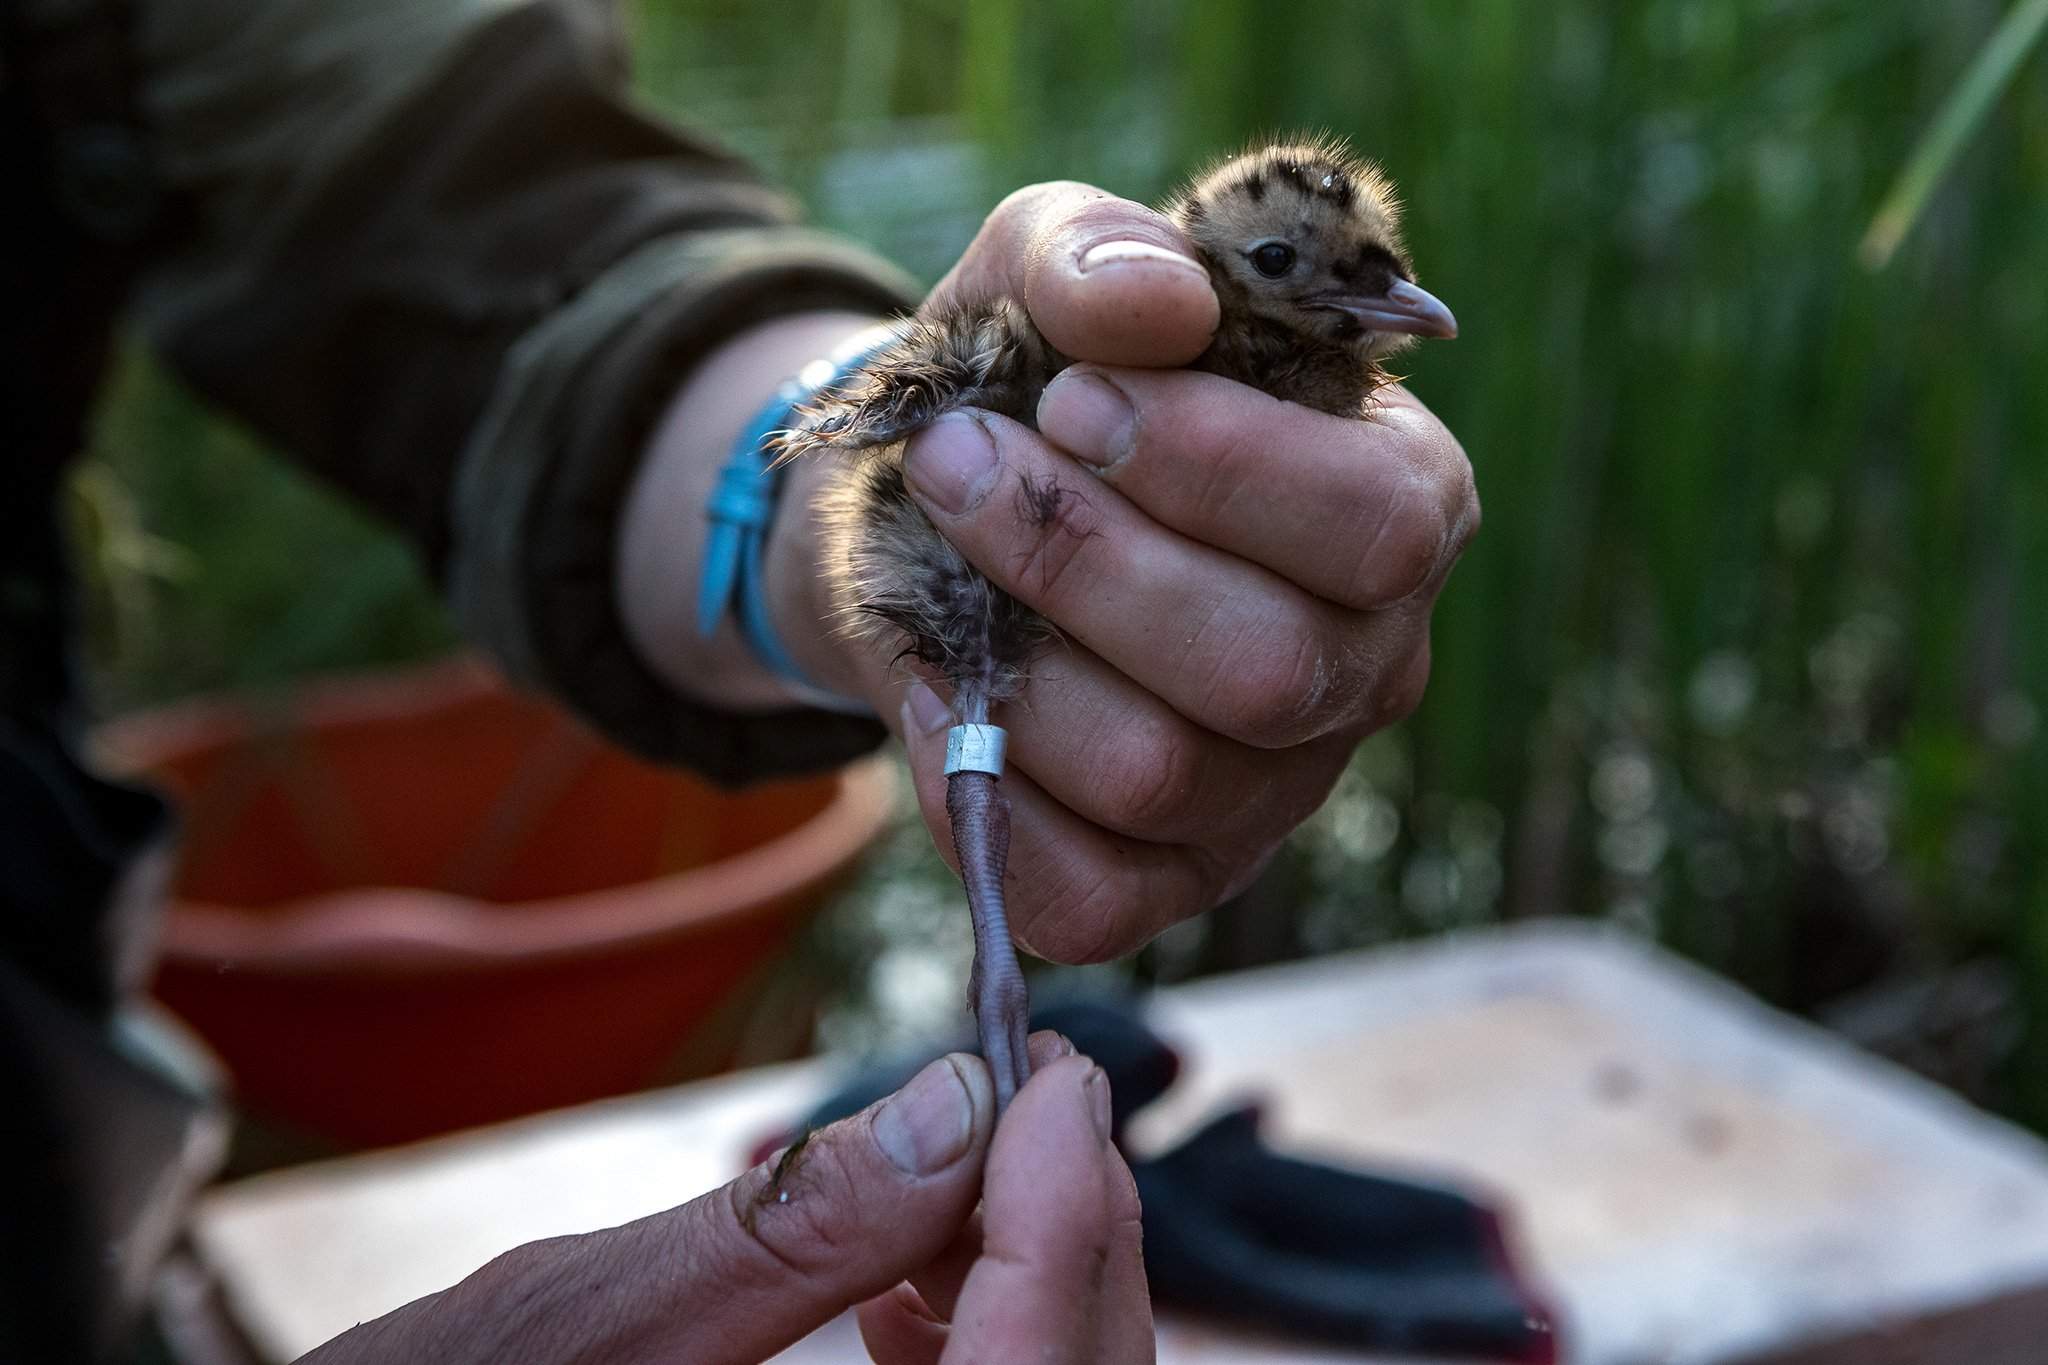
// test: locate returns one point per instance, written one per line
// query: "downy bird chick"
(1303, 248)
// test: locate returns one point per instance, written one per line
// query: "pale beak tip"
(1425, 313)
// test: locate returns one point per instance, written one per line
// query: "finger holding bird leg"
(1052, 1269)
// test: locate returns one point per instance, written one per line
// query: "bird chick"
(1302, 244)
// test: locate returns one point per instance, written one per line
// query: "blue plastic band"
(740, 509)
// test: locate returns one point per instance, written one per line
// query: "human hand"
(1244, 585)
(879, 1204)
(1051, 1268)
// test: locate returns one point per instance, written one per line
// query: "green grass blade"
(1980, 88)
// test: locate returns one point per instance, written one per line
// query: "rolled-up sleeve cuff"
(540, 484)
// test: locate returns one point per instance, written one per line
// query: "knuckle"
(529, 1290)
(1060, 219)
(1025, 206)
(1459, 498)
(535, 1278)
(1238, 877)
(1403, 694)
(531, 1259)
(1156, 783)
(1400, 556)
(1034, 223)
(1214, 873)
(1465, 524)
(1110, 901)
(1224, 478)
(1073, 924)
(1273, 689)
(1090, 213)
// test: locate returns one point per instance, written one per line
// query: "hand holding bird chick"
(1301, 246)
(1243, 585)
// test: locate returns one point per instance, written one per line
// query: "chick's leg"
(981, 838)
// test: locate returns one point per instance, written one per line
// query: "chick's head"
(1307, 237)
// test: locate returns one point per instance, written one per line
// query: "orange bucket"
(421, 902)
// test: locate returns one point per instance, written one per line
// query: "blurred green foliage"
(1748, 654)
(1967, 106)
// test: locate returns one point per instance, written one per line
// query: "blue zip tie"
(741, 506)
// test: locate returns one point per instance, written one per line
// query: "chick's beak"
(1405, 307)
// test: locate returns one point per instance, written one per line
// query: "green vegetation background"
(1749, 652)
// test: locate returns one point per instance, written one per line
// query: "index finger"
(1104, 279)
(1061, 1275)
(1362, 513)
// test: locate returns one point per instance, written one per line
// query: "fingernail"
(1096, 1087)
(1088, 417)
(924, 712)
(1122, 250)
(1047, 1047)
(925, 1126)
(952, 463)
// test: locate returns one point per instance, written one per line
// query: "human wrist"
(664, 531)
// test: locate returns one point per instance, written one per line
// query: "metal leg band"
(976, 749)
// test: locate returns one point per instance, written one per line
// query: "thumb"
(840, 1218)
(1105, 279)
(738, 1274)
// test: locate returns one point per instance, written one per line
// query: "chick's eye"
(1273, 259)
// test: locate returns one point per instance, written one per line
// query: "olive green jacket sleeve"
(430, 249)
